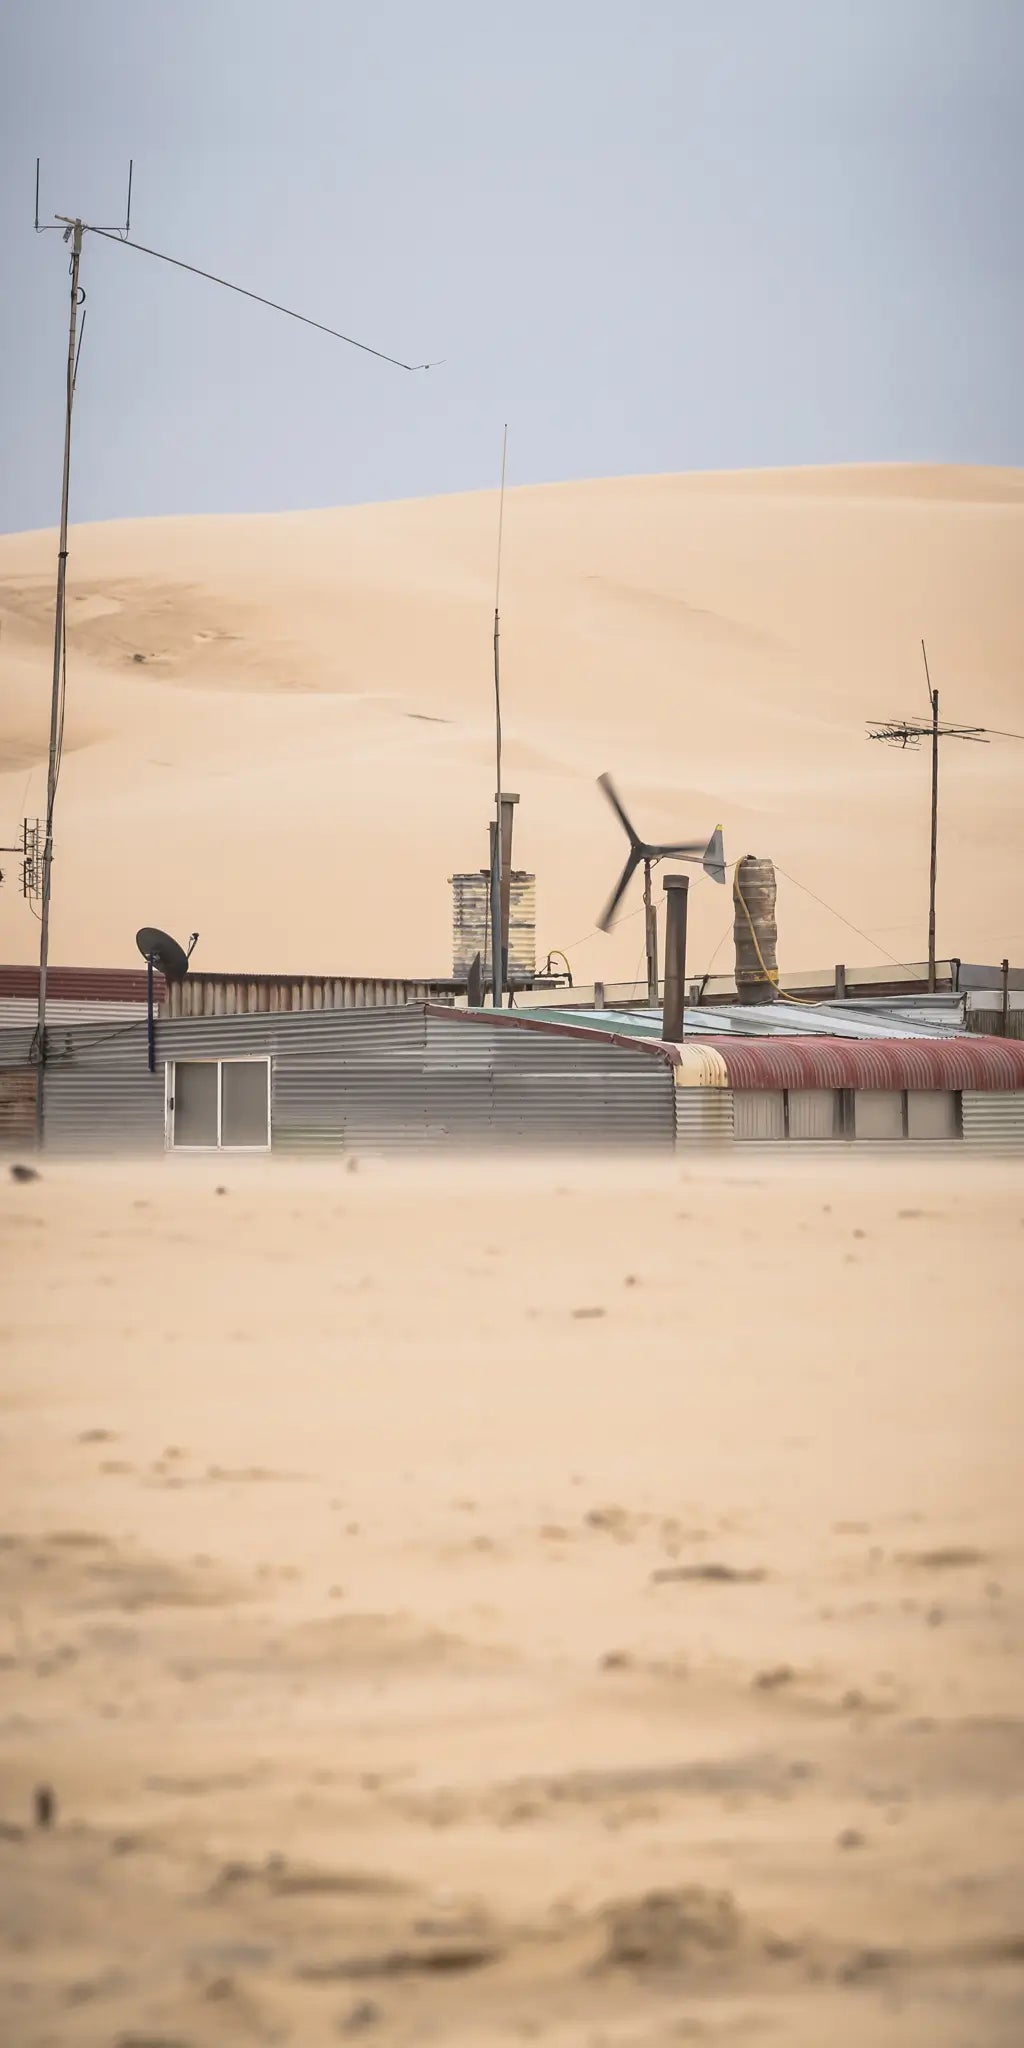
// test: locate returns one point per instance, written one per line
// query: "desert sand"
(578, 1605)
(279, 729)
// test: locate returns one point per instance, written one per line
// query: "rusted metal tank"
(754, 930)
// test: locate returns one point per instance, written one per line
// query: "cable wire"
(866, 936)
(111, 235)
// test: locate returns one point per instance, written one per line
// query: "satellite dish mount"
(158, 949)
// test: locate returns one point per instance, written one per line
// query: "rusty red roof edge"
(82, 984)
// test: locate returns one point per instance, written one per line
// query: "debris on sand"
(436, 1958)
(44, 1806)
(948, 1558)
(711, 1574)
(666, 1930)
(21, 1173)
(771, 1679)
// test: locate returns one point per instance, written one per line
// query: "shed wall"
(995, 1119)
(391, 1078)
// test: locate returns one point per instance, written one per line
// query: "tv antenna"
(158, 949)
(909, 732)
(641, 852)
(74, 230)
(30, 849)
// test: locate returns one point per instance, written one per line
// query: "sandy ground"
(574, 1604)
(279, 730)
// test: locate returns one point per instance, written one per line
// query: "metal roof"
(954, 1063)
(82, 984)
(930, 1017)
(874, 1055)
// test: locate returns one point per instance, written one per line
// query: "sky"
(666, 236)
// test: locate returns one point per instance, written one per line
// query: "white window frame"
(255, 1059)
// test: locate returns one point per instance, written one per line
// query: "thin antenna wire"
(927, 677)
(114, 235)
(497, 621)
(501, 513)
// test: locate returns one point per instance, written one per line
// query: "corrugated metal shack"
(428, 1076)
(342, 1079)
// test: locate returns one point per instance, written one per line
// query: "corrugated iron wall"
(17, 1108)
(991, 1023)
(60, 1010)
(991, 1118)
(704, 1116)
(242, 995)
(385, 1079)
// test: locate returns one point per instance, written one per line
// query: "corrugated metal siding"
(550, 1087)
(759, 1115)
(388, 1078)
(17, 1108)
(990, 1022)
(933, 1115)
(873, 1063)
(15, 1045)
(878, 1115)
(239, 995)
(24, 1010)
(81, 984)
(93, 1108)
(814, 1113)
(704, 1116)
(471, 924)
(993, 1118)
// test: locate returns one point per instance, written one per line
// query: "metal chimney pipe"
(677, 889)
(508, 800)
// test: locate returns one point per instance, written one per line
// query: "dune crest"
(279, 728)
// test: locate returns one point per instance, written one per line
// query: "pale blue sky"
(655, 236)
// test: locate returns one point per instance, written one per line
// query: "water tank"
(471, 925)
(755, 931)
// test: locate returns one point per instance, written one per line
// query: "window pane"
(244, 1103)
(195, 1102)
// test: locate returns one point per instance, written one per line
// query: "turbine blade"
(604, 922)
(605, 782)
(684, 849)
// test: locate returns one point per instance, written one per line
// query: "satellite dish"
(710, 855)
(165, 952)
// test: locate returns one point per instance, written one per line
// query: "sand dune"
(303, 752)
(488, 1674)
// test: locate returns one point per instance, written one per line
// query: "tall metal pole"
(651, 933)
(497, 977)
(55, 699)
(674, 1021)
(933, 864)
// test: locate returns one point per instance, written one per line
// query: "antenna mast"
(73, 230)
(909, 732)
(72, 234)
(497, 950)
